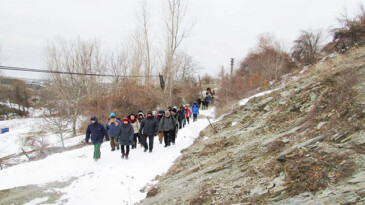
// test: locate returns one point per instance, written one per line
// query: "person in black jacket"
(181, 117)
(160, 115)
(125, 136)
(149, 128)
(96, 132)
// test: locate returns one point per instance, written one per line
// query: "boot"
(123, 155)
(126, 156)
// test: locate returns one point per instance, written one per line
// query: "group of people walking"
(134, 130)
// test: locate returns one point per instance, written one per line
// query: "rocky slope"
(302, 144)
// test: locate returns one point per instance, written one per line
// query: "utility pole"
(232, 63)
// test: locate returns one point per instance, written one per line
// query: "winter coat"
(181, 115)
(195, 109)
(158, 118)
(113, 129)
(167, 124)
(125, 134)
(188, 112)
(136, 126)
(149, 126)
(96, 132)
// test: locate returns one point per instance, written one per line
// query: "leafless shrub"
(37, 141)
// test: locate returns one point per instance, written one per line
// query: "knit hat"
(167, 113)
(93, 118)
(112, 114)
(149, 113)
(125, 119)
(161, 112)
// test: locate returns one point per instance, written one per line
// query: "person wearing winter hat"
(96, 132)
(112, 127)
(149, 128)
(160, 115)
(174, 115)
(195, 111)
(140, 116)
(167, 126)
(136, 124)
(125, 136)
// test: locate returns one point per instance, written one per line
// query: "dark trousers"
(187, 119)
(180, 124)
(195, 117)
(135, 137)
(124, 150)
(168, 135)
(150, 142)
(114, 143)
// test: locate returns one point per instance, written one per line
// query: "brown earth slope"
(302, 144)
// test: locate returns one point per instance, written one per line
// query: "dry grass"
(204, 195)
(312, 173)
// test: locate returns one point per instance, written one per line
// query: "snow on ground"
(11, 142)
(244, 101)
(111, 180)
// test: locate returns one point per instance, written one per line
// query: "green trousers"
(97, 152)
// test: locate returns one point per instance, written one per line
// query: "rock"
(313, 97)
(294, 108)
(282, 156)
(358, 178)
(285, 94)
(358, 138)
(267, 108)
(285, 140)
(320, 125)
(264, 102)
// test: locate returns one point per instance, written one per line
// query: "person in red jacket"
(187, 113)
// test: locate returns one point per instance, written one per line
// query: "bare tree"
(186, 66)
(306, 48)
(75, 57)
(144, 24)
(177, 29)
(59, 122)
(118, 64)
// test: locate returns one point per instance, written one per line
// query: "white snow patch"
(111, 180)
(244, 101)
(205, 138)
(37, 201)
(234, 123)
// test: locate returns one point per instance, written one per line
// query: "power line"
(70, 73)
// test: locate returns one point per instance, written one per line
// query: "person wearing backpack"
(96, 132)
(195, 111)
(125, 136)
(167, 126)
(112, 127)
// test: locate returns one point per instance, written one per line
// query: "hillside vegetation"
(303, 143)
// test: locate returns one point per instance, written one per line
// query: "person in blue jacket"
(195, 111)
(96, 132)
(112, 127)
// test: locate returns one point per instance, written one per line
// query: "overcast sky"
(224, 28)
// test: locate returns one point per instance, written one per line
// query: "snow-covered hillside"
(111, 180)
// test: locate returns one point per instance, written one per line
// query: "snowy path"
(111, 180)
